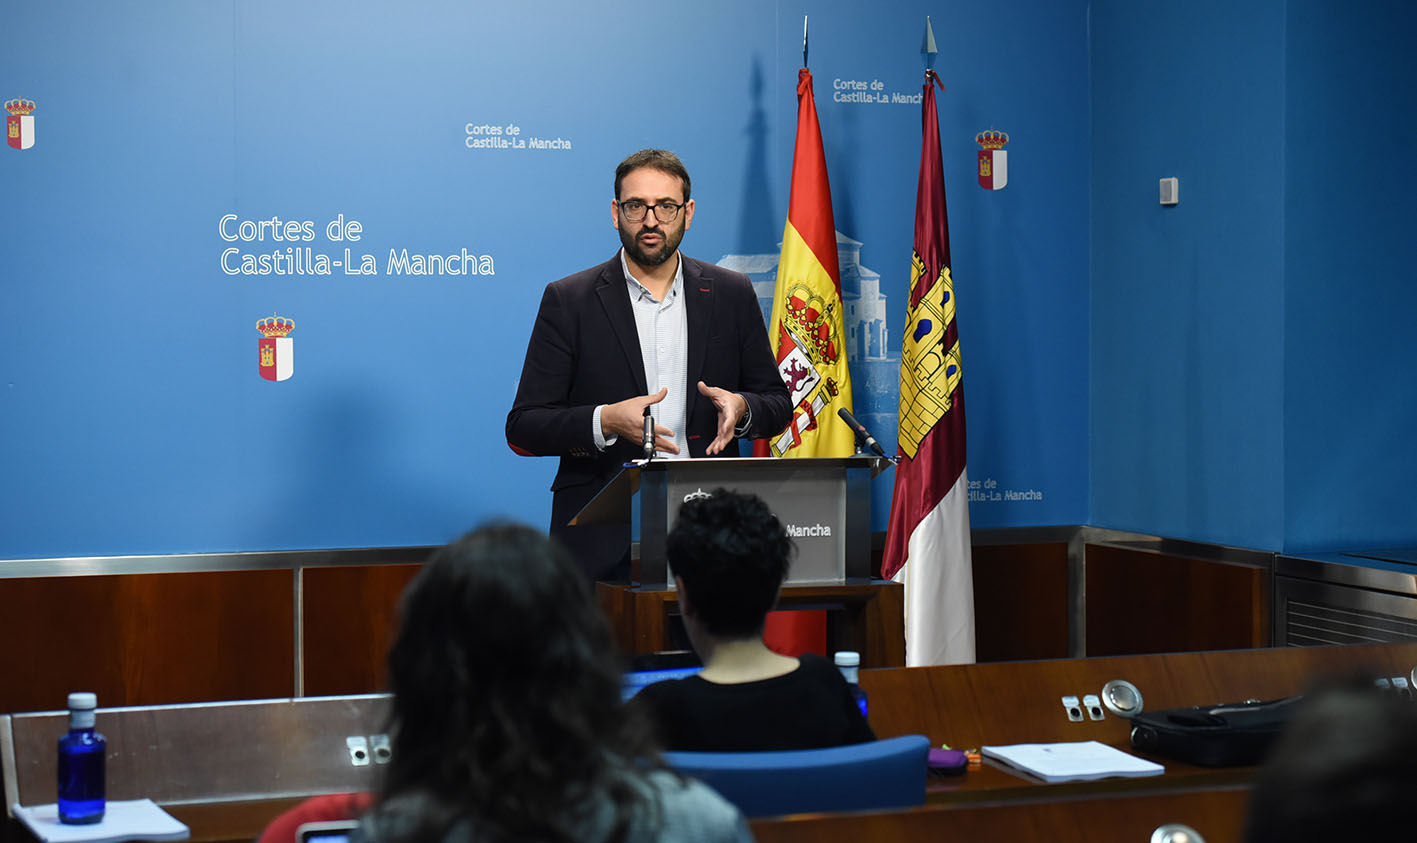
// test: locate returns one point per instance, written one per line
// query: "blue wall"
(1350, 410)
(1234, 369)
(1252, 349)
(1188, 301)
(1019, 254)
(132, 419)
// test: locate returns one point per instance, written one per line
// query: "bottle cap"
(83, 700)
(848, 658)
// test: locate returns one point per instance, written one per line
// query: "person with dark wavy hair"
(507, 721)
(730, 554)
(1345, 768)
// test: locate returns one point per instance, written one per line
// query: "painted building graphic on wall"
(860, 294)
(875, 370)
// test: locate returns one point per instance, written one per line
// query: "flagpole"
(928, 546)
(809, 341)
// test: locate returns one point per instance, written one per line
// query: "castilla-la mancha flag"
(927, 540)
(806, 328)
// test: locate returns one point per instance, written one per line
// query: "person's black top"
(808, 708)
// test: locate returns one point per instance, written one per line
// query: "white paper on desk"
(137, 819)
(1072, 761)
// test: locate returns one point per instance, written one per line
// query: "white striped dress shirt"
(663, 330)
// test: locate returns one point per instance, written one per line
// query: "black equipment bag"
(1225, 735)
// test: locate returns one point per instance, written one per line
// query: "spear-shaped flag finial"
(927, 47)
(804, 40)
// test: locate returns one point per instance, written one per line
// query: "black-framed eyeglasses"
(634, 210)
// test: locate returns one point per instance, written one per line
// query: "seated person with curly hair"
(1345, 768)
(507, 720)
(729, 555)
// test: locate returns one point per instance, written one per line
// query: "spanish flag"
(807, 328)
(927, 539)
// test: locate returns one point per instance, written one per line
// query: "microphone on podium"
(648, 441)
(863, 436)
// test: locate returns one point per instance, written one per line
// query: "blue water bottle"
(849, 662)
(81, 756)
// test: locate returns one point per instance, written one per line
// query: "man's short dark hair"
(654, 159)
(732, 553)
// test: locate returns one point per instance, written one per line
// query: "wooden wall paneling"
(1146, 602)
(1020, 601)
(865, 616)
(349, 619)
(146, 639)
(650, 612)
(880, 623)
(615, 604)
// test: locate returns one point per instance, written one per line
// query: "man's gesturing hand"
(627, 418)
(731, 409)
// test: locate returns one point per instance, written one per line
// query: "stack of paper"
(139, 819)
(1076, 761)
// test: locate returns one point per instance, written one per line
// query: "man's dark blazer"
(585, 351)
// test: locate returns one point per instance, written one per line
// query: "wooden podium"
(825, 504)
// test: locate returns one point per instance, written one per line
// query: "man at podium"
(651, 332)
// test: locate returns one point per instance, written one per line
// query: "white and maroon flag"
(927, 540)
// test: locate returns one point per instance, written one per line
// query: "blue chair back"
(881, 774)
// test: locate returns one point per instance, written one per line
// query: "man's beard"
(669, 243)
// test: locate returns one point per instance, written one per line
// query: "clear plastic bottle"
(849, 662)
(81, 759)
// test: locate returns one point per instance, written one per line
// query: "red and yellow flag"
(807, 329)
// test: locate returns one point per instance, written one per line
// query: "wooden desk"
(226, 769)
(230, 822)
(973, 705)
(1218, 815)
(1020, 702)
(965, 705)
(870, 615)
